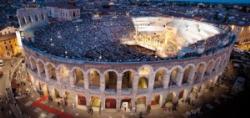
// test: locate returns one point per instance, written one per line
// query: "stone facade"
(31, 17)
(177, 76)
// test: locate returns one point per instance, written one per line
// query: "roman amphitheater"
(124, 62)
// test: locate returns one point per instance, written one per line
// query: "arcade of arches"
(162, 78)
(146, 79)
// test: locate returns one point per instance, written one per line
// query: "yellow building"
(9, 46)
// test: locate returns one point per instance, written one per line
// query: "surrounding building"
(9, 45)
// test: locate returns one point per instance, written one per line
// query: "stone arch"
(144, 74)
(111, 78)
(33, 64)
(110, 103)
(171, 97)
(209, 68)
(95, 102)
(192, 94)
(81, 100)
(69, 97)
(29, 19)
(41, 68)
(36, 18)
(159, 77)
(22, 20)
(78, 76)
(62, 73)
(126, 104)
(141, 103)
(143, 83)
(57, 94)
(183, 94)
(223, 63)
(43, 16)
(94, 78)
(51, 71)
(188, 74)
(127, 79)
(156, 99)
(217, 64)
(175, 75)
(200, 70)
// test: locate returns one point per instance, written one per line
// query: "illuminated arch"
(159, 77)
(94, 78)
(51, 71)
(78, 76)
(111, 78)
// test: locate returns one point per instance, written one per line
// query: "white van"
(1, 62)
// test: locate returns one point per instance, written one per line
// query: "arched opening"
(127, 79)
(36, 18)
(45, 90)
(41, 68)
(23, 21)
(57, 94)
(182, 94)
(81, 100)
(159, 78)
(171, 97)
(95, 102)
(69, 97)
(63, 73)
(110, 80)
(187, 74)
(126, 104)
(174, 76)
(30, 19)
(43, 16)
(51, 71)
(94, 79)
(110, 103)
(170, 101)
(78, 77)
(143, 83)
(209, 68)
(216, 66)
(33, 64)
(182, 97)
(141, 104)
(155, 100)
(199, 72)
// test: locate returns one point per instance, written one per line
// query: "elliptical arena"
(124, 62)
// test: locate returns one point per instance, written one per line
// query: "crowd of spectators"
(99, 39)
(91, 40)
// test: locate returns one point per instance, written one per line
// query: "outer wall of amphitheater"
(123, 86)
